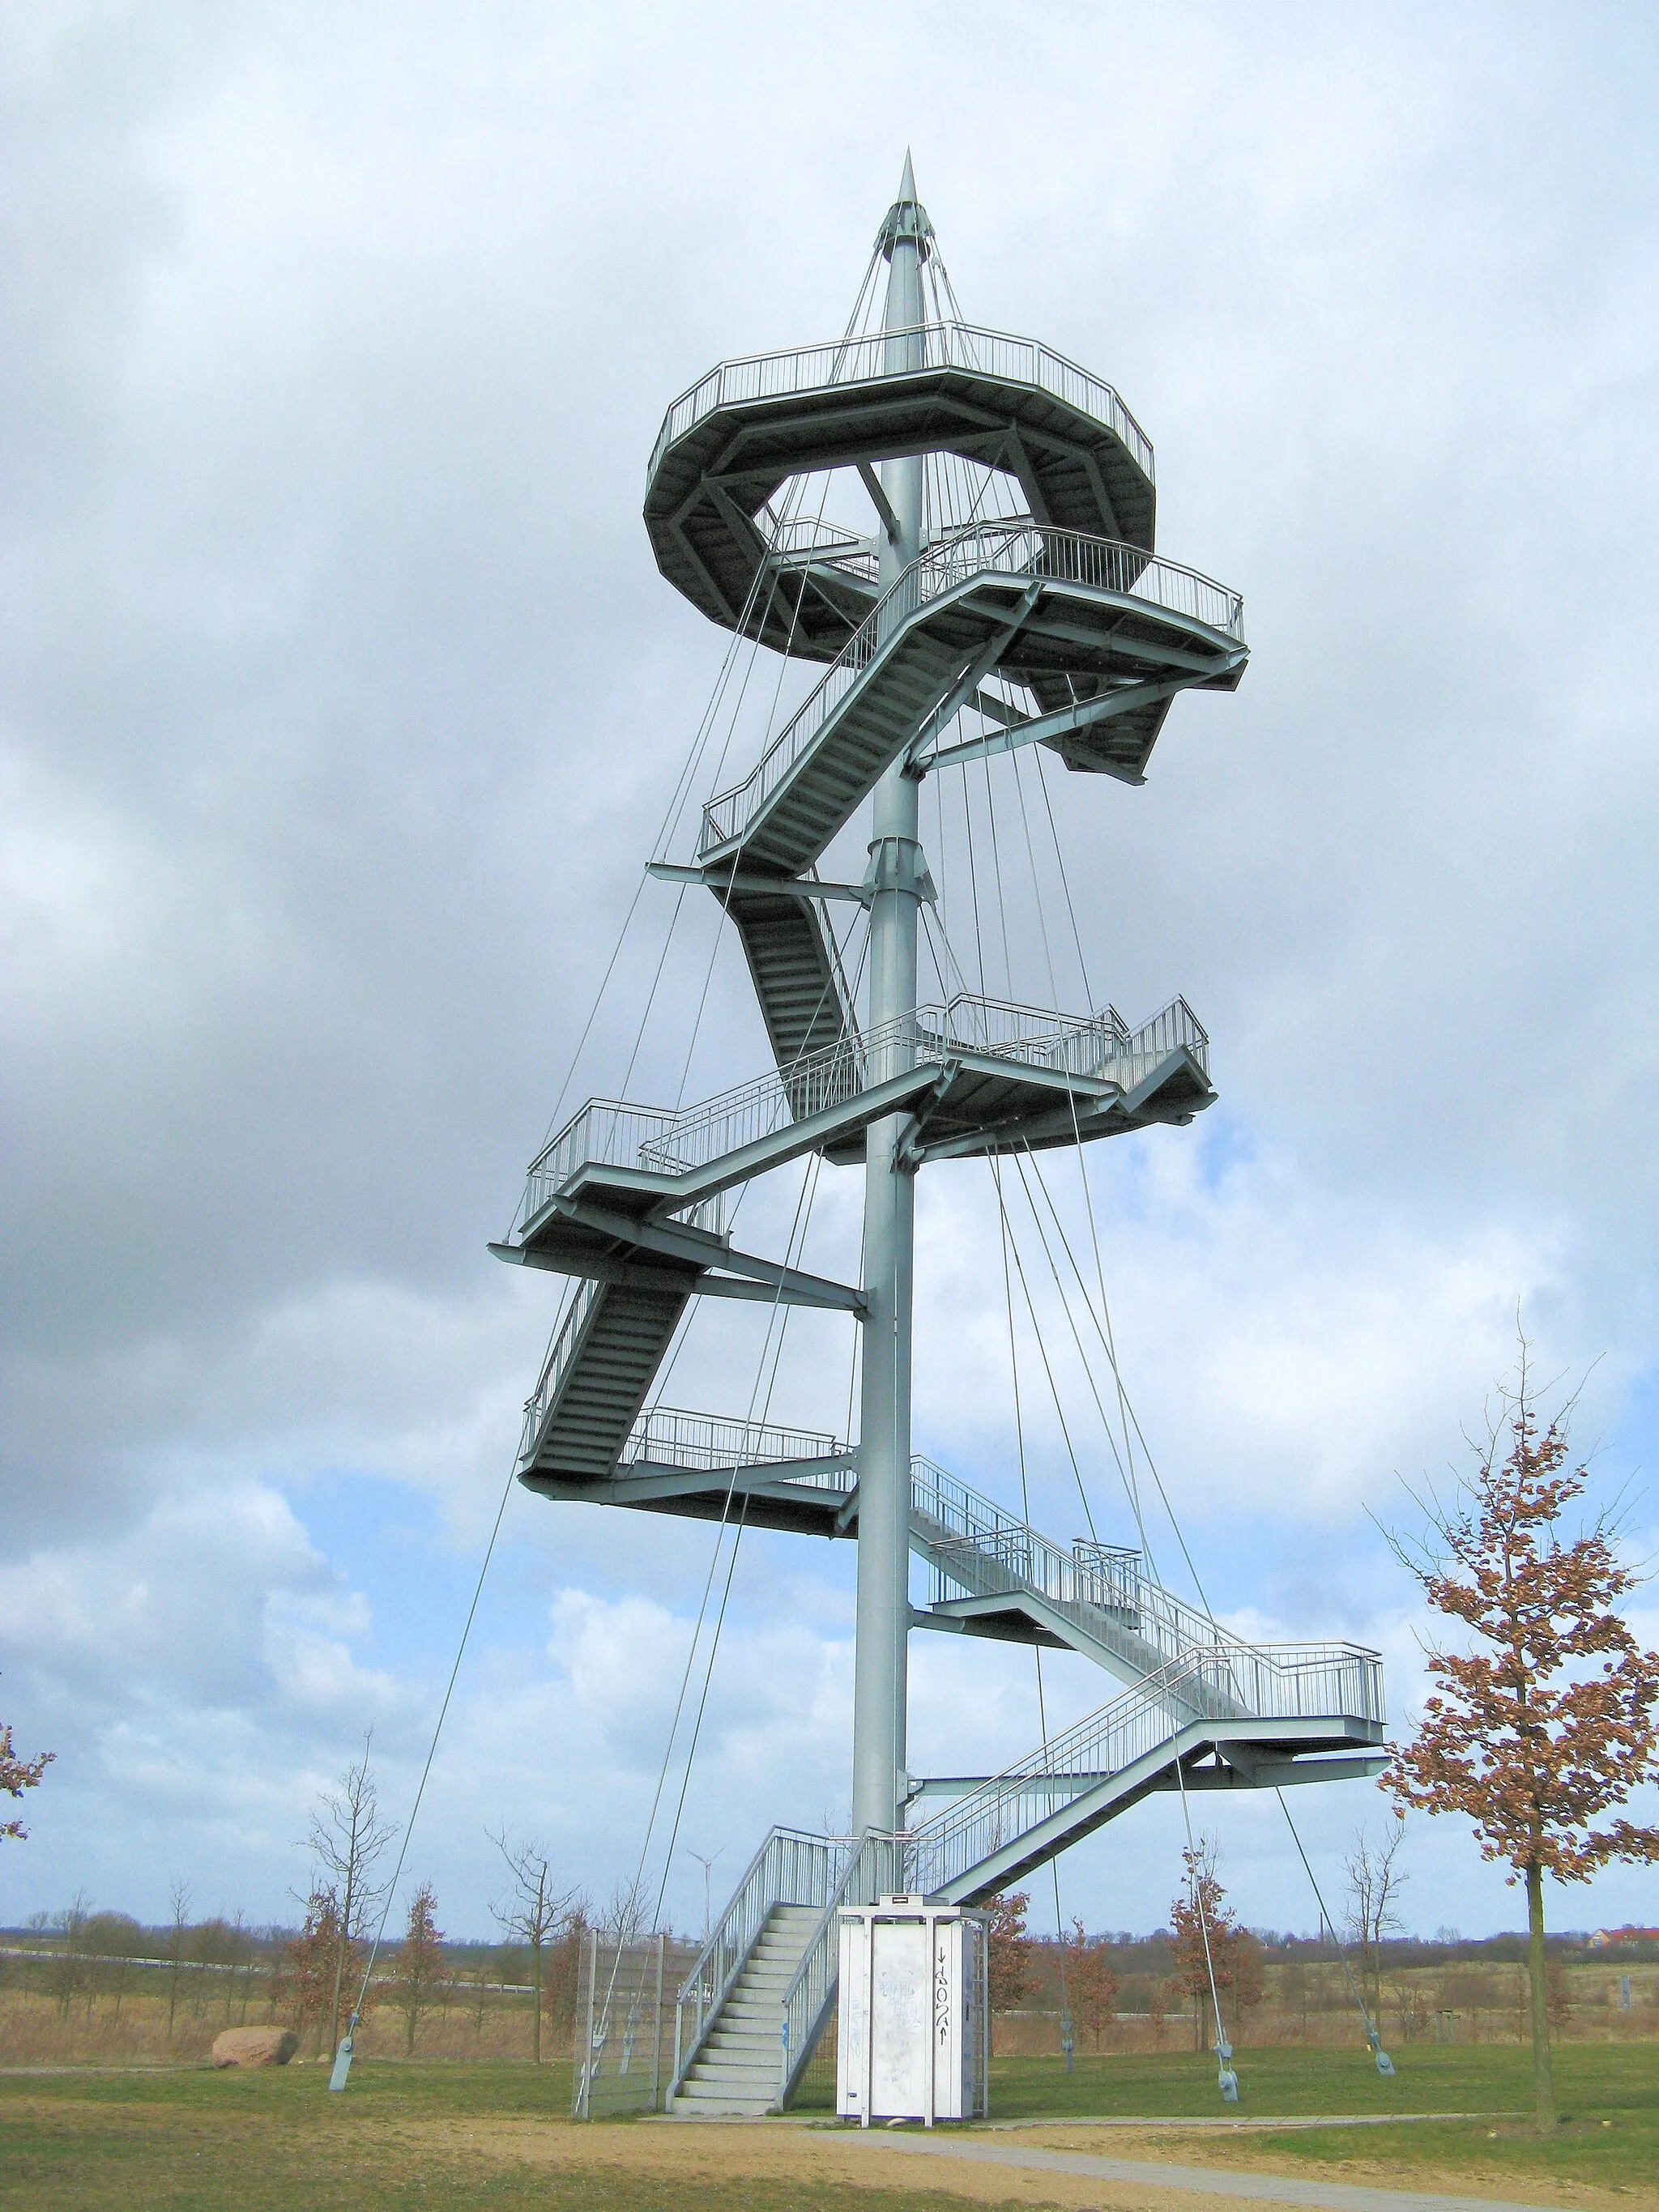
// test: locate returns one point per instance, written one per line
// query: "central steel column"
(879, 1780)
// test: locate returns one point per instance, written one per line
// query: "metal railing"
(799, 541)
(666, 1436)
(984, 1549)
(928, 346)
(790, 1867)
(1326, 1681)
(611, 1133)
(1018, 549)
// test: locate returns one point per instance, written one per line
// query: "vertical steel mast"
(897, 872)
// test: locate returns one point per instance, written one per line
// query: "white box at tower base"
(913, 2041)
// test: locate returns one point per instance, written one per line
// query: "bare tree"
(534, 1913)
(347, 1839)
(623, 1918)
(71, 1966)
(1375, 1882)
(178, 1926)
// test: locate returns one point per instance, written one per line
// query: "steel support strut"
(880, 1782)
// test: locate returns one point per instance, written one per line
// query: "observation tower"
(1009, 596)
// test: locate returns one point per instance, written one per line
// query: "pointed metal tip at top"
(907, 218)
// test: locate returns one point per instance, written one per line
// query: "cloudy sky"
(341, 704)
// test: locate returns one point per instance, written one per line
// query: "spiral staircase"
(1060, 627)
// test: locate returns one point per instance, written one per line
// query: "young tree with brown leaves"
(17, 1774)
(313, 1958)
(1008, 1951)
(1094, 1983)
(420, 1964)
(1545, 1722)
(1209, 1942)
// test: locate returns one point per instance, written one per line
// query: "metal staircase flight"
(1109, 631)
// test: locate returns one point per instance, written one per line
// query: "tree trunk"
(334, 2001)
(1543, 2078)
(536, 2030)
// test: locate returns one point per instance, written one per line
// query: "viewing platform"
(982, 1076)
(728, 445)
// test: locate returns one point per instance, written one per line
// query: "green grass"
(1608, 2095)
(1293, 2084)
(192, 2141)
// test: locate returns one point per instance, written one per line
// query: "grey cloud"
(341, 699)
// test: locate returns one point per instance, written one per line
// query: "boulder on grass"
(255, 2046)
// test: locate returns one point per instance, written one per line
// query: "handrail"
(790, 1867)
(1016, 548)
(1100, 1048)
(987, 1549)
(800, 369)
(666, 1437)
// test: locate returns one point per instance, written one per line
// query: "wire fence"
(625, 2023)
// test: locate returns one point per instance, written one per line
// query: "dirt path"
(1259, 2185)
(1063, 2165)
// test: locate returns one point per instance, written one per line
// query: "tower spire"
(905, 218)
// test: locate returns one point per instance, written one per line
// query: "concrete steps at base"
(735, 2071)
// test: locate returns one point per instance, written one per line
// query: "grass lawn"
(193, 2141)
(495, 2134)
(1606, 2093)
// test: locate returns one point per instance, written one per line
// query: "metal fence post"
(656, 2029)
(585, 2110)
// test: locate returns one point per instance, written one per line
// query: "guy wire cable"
(1025, 1511)
(1373, 2030)
(1227, 2079)
(1011, 1242)
(1109, 1350)
(1103, 1323)
(343, 2057)
(633, 1889)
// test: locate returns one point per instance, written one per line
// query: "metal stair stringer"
(613, 1340)
(1298, 1703)
(795, 974)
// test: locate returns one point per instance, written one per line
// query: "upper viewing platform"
(730, 443)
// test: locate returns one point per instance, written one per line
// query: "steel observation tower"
(944, 638)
